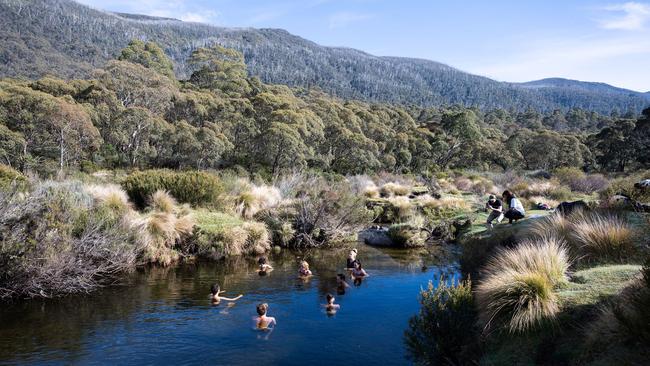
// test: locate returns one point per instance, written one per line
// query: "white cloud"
(635, 16)
(344, 19)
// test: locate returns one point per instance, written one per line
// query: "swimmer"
(215, 290)
(265, 267)
(358, 271)
(331, 307)
(352, 259)
(304, 269)
(262, 321)
(340, 282)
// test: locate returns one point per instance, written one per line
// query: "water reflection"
(164, 315)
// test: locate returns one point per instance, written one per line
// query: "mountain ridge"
(68, 39)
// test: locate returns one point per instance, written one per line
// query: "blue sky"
(606, 41)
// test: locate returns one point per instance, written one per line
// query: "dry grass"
(541, 199)
(256, 199)
(517, 289)
(162, 201)
(444, 203)
(552, 226)
(604, 236)
(371, 190)
(110, 195)
(403, 207)
(391, 189)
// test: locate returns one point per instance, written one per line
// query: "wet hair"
(262, 260)
(304, 264)
(341, 276)
(329, 297)
(261, 308)
(214, 289)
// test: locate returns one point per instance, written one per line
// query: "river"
(164, 315)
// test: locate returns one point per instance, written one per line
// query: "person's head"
(357, 265)
(353, 253)
(492, 198)
(340, 277)
(507, 195)
(262, 260)
(330, 298)
(214, 289)
(304, 265)
(262, 308)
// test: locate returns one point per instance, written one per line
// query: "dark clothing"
(351, 263)
(513, 214)
(496, 204)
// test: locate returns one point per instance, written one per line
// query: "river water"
(164, 316)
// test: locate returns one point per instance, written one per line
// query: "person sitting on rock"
(515, 208)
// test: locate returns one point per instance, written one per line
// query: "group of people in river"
(264, 322)
(497, 212)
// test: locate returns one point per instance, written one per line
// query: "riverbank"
(596, 311)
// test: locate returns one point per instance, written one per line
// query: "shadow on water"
(163, 315)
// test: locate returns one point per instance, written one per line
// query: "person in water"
(215, 290)
(515, 208)
(341, 284)
(495, 209)
(262, 321)
(352, 259)
(265, 267)
(304, 269)
(331, 307)
(358, 271)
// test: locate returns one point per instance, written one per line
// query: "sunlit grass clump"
(517, 291)
(591, 236)
(256, 199)
(394, 189)
(604, 236)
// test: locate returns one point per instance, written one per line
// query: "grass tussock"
(517, 291)
(604, 236)
(591, 236)
(391, 189)
(256, 199)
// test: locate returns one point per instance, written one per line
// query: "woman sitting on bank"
(515, 208)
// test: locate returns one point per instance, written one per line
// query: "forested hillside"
(133, 113)
(66, 39)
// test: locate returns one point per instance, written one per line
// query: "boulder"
(566, 208)
(376, 236)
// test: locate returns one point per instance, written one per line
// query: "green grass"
(214, 222)
(590, 286)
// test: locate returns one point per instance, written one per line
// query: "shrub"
(443, 208)
(326, 212)
(560, 193)
(578, 181)
(444, 331)
(59, 240)
(9, 176)
(193, 187)
(517, 287)
(603, 236)
(625, 186)
(463, 184)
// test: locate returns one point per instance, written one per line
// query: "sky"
(589, 40)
